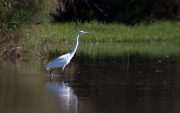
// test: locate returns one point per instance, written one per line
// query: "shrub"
(15, 13)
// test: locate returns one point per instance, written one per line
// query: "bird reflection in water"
(64, 95)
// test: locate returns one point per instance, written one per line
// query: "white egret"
(63, 60)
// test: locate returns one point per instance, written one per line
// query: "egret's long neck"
(75, 47)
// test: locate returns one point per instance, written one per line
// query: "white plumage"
(59, 62)
(63, 60)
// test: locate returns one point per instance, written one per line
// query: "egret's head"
(81, 32)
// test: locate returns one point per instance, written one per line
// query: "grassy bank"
(159, 31)
(41, 37)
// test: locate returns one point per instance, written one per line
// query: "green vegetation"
(99, 49)
(16, 13)
(43, 38)
(158, 31)
(34, 26)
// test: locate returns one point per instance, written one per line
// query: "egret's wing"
(59, 62)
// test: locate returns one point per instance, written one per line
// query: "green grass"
(95, 49)
(40, 38)
(159, 31)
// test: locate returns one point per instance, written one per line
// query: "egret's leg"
(51, 74)
(62, 70)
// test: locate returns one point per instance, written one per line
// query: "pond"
(101, 78)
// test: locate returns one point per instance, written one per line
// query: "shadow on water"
(101, 78)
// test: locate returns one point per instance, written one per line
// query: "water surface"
(101, 78)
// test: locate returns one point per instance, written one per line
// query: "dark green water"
(107, 78)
